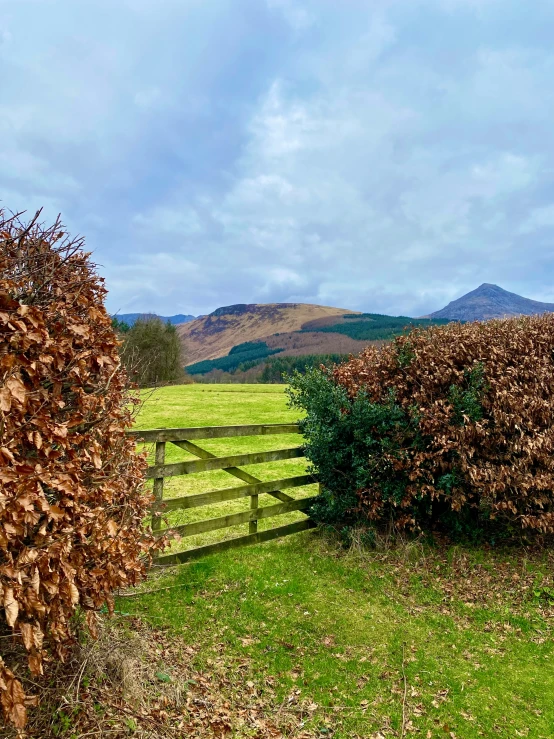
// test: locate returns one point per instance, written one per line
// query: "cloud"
(389, 157)
(294, 13)
(538, 219)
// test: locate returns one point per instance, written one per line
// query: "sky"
(378, 155)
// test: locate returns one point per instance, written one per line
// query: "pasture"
(412, 639)
(219, 405)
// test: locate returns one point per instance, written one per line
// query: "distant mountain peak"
(491, 301)
(488, 288)
(131, 318)
(240, 309)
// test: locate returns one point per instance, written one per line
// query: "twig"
(79, 677)
(403, 731)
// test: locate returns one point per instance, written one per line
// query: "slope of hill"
(327, 338)
(212, 336)
(490, 301)
(300, 343)
(130, 318)
(369, 327)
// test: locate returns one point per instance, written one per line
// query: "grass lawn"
(224, 405)
(405, 640)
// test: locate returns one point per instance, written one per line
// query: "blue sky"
(386, 155)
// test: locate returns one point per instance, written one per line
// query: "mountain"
(491, 301)
(212, 336)
(130, 318)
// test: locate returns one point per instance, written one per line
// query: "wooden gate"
(183, 438)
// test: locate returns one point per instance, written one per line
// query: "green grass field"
(403, 641)
(221, 405)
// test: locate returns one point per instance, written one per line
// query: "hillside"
(300, 343)
(490, 301)
(130, 318)
(327, 340)
(212, 336)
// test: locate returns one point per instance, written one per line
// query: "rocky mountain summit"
(491, 301)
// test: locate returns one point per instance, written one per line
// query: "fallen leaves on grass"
(138, 681)
(455, 576)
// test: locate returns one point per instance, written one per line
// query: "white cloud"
(150, 277)
(473, 5)
(182, 221)
(384, 155)
(538, 218)
(148, 98)
(295, 14)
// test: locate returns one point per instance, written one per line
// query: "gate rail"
(230, 464)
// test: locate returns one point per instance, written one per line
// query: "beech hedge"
(72, 504)
(448, 427)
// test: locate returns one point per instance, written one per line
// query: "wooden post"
(253, 525)
(158, 486)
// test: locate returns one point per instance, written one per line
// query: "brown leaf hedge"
(447, 427)
(71, 499)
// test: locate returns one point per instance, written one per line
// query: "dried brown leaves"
(141, 681)
(71, 497)
(506, 460)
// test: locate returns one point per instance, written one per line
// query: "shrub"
(71, 496)
(449, 426)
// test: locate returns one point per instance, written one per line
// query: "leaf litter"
(140, 681)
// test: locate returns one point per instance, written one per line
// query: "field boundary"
(230, 464)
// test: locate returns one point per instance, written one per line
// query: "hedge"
(72, 503)
(449, 427)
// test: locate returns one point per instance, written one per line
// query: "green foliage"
(405, 354)
(353, 445)
(120, 327)
(243, 356)
(277, 369)
(152, 353)
(544, 595)
(131, 724)
(467, 401)
(374, 326)
(270, 370)
(343, 436)
(248, 346)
